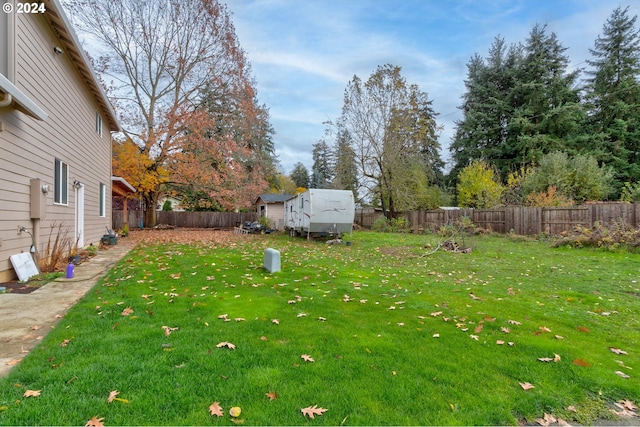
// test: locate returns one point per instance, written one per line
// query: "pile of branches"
(611, 236)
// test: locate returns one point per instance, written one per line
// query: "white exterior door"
(80, 215)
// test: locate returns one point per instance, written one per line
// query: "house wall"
(28, 147)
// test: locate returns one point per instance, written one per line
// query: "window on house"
(60, 183)
(103, 200)
(98, 124)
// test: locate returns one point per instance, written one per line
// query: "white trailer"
(320, 212)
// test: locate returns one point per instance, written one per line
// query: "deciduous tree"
(159, 56)
(393, 129)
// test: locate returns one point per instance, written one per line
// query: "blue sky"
(304, 52)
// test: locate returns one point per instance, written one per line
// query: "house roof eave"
(64, 30)
(22, 101)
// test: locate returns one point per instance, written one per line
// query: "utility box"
(272, 260)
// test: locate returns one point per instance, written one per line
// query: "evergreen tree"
(345, 172)
(300, 175)
(321, 171)
(613, 97)
(548, 115)
(487, 108)
(520, 103)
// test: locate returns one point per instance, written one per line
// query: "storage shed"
(272, 206)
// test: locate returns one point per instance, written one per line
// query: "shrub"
(478, 186)
(614, 236)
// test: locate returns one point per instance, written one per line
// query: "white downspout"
(6, 101)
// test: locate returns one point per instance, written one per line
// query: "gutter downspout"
(6, 101)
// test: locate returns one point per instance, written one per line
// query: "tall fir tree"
(300, 175)
(321, 171)
(345, 170)
(548, 114)
(487, 108)
(613, 97)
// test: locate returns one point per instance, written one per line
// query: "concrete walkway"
(26, 318)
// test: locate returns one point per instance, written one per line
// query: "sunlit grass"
(397, 337)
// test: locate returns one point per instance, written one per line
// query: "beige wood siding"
(28, 147)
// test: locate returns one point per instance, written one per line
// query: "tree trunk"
(150, 214)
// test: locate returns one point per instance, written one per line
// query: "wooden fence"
(223, 220)
(520, 219)
(517, 219)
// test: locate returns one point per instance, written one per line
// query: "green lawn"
(397, 338)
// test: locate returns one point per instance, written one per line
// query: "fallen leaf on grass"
(272, 395)
(307, 358)
(275, 321)
(95, 422)
(32, 393)
(235, 411)
(216, 409)
(583, 329)
(617, 350)
(547, 420)
(513, 322)
(581, 362)
(226, 344)
(626, 405)
(436, 313)
(310, 411)
(554, 359)
(478, 328)
(544, 329)
(527, 386)
(168, 330)
(112, 396)
(622, 374)
(127, 311)
(65, 343)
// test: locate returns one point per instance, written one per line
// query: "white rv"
(320, 212)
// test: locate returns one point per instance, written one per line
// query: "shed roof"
(272, 198)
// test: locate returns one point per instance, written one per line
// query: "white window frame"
(60, 183)
(103, 200)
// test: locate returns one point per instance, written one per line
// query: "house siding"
(28, 147)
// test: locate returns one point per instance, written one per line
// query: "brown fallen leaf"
(307, 358)
(527, 386)
(272, 395)
(581, 362)
(310, 411)
(112, 395)
(216, 409)
(499, 342)
(547, 420)
(436, 313)
(505, 330)
(478, 328)
(168, 330)
(95, 422)
(226, 344)
(65, 343)
(544, 329)
(32, 393)
(583, 329)
(127, 311)
(275, 321)
(626, 405)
